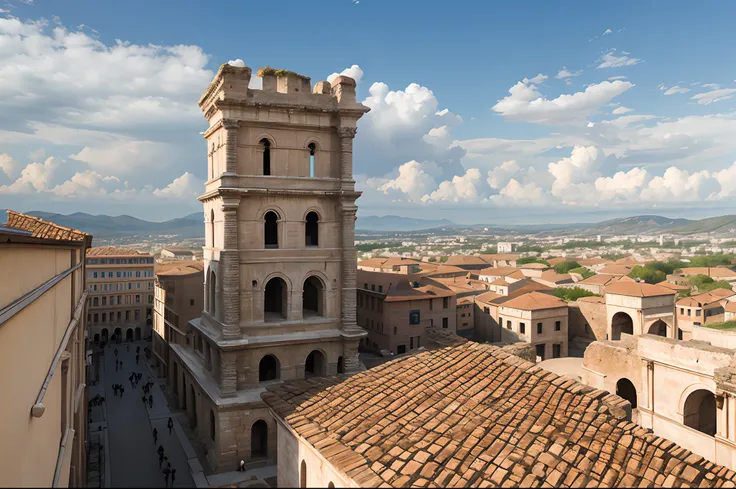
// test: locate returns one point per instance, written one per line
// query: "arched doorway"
(312, 297)
(659, 328)
(700, 411)
(212, 299)
(315, 364)
(271, 230)
(259, 439)
(303, 474)
(626, 390)
(621, 323)
(118, 333)
(104, 335)
(268, 368)
(137, 334)
(194, 406)
(129, 334)
(97, 337)
(340, 365)
(275, 300)
(311, 234)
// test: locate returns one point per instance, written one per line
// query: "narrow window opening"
(312, 150)
(266, 156)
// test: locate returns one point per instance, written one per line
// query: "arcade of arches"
(621, 323)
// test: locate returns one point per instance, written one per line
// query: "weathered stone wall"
(587, 319)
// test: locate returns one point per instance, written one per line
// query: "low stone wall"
(716, 337)
(587, 319)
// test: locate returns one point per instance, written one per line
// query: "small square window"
(522, 328)
(558, 325)
(539, 328)
(414, 316)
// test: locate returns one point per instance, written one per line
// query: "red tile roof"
(113, 251)
(638, 289)
(44, 229)
(418, 421)
(534, 301)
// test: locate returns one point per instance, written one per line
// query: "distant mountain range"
(192, 225)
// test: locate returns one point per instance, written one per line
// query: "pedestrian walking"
(116, 352)
(136, 359)
(137, 349)
(241, 467)
(128, 347)
(121, 364)
(173, 477)
(160, 459)
(145, 401)
(167, 473)
(155, 436)
(161, 451)
(115, 389)
(170, 424)
(116, 365)
(122, 389)
(150, 401)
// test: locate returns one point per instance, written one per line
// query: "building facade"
(279, 255)
(42, 354)
(178, 297)
(120, 286)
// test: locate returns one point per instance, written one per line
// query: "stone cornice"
(356, 110)
(244, 192)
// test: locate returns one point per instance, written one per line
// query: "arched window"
(312, 229)
(259, 439)
(659, 328)
(213, 294)
(303, 474)
(312, 297)
(626, 390)
(212, 425)
(266, 156)
(330, 485)
(315, 364)
(340, 365)
(275, 304)
(271, 229)
(700, 412)
(312, 151)
(268, 368)
(212, 229)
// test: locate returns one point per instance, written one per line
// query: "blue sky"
(617, 109)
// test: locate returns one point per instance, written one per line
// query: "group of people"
(118, 389)
(167, 470)
(96, 401)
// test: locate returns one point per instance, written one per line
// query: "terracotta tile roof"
(113, 251)
(638, 289)
(589, 262)
(499, 281)
(465, 300)
(498, 271)
(672, 286)
(459, 260)
(498, 299)
(556, 260)
(488, 297)
(517, 274)
(615, 270)
(599, 300)
(606, 279)
(381, 262)
(184, 267)
(534, 266)
(706, 299)
(418, 422)
(44, 229)
(442, 337)
(403, 291)
(558, 278)
(442, 270)
(730, 306)
(712, 272)
(500, 256)
(534, 301)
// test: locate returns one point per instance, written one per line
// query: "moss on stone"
(268, 71)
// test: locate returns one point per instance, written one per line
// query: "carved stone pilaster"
(230, 266)
(228, 374)
(231, 145)
(346, 153)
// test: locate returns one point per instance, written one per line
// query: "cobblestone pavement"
(133, 454)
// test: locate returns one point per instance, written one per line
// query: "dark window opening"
(268, 368)
(414, 316)
(266, 156)
(275, 304)
(271, 229)
(315, 364)
(312, 150)
(312, 229)
(340, 365)
(626, 390)
(259, 439)
(312, 297)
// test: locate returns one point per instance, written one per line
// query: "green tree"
(572, 294)
(649, 275)
(582, 271)
(432, 259)
(718, 284)
(566, 266)
(531, 259)
(700, 280)
(443, 259)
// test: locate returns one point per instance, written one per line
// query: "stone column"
(228, 374)
(230, 266)
(231, 146)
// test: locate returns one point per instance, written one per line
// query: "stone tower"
(280, 262)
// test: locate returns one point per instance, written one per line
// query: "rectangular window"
(137, 299)
(373, 287)
(445, 302)
(540, 351)
(118, 316)
(682, 311)
(104, 317)
(118, 275)
(97, 317)
(104, 301)
(380, 288)
(558, 326)
(95, 274)
(556, 350)
(401, 349)
(508, 324)
(127, 315)
(445, 322)
(689, 311)
(697, 312)
(522, 328)
(411, 343)
(138, 274)
(414, 316)
(395, 330)
(430, 304)
(191, 302)
(311, 166)
(109, 274)
(365, 286)
(539, 328)
(94, 287)
(679, 334)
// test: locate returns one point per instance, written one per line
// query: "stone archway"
(658, 328)
(275, 300)
(699, 412)
(259, 440)
(129, 334)
(621, 323)
(626, 390)
(268, 368)
(315, 364)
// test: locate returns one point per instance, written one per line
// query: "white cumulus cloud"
(612, 60)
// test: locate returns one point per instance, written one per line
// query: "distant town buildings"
(43, 374)
(507, 247)
(120, 286)
(176, 254)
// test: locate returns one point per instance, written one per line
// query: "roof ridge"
(15, 220)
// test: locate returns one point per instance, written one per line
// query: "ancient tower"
(279, 254)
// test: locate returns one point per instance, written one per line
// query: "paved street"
(133, 454)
